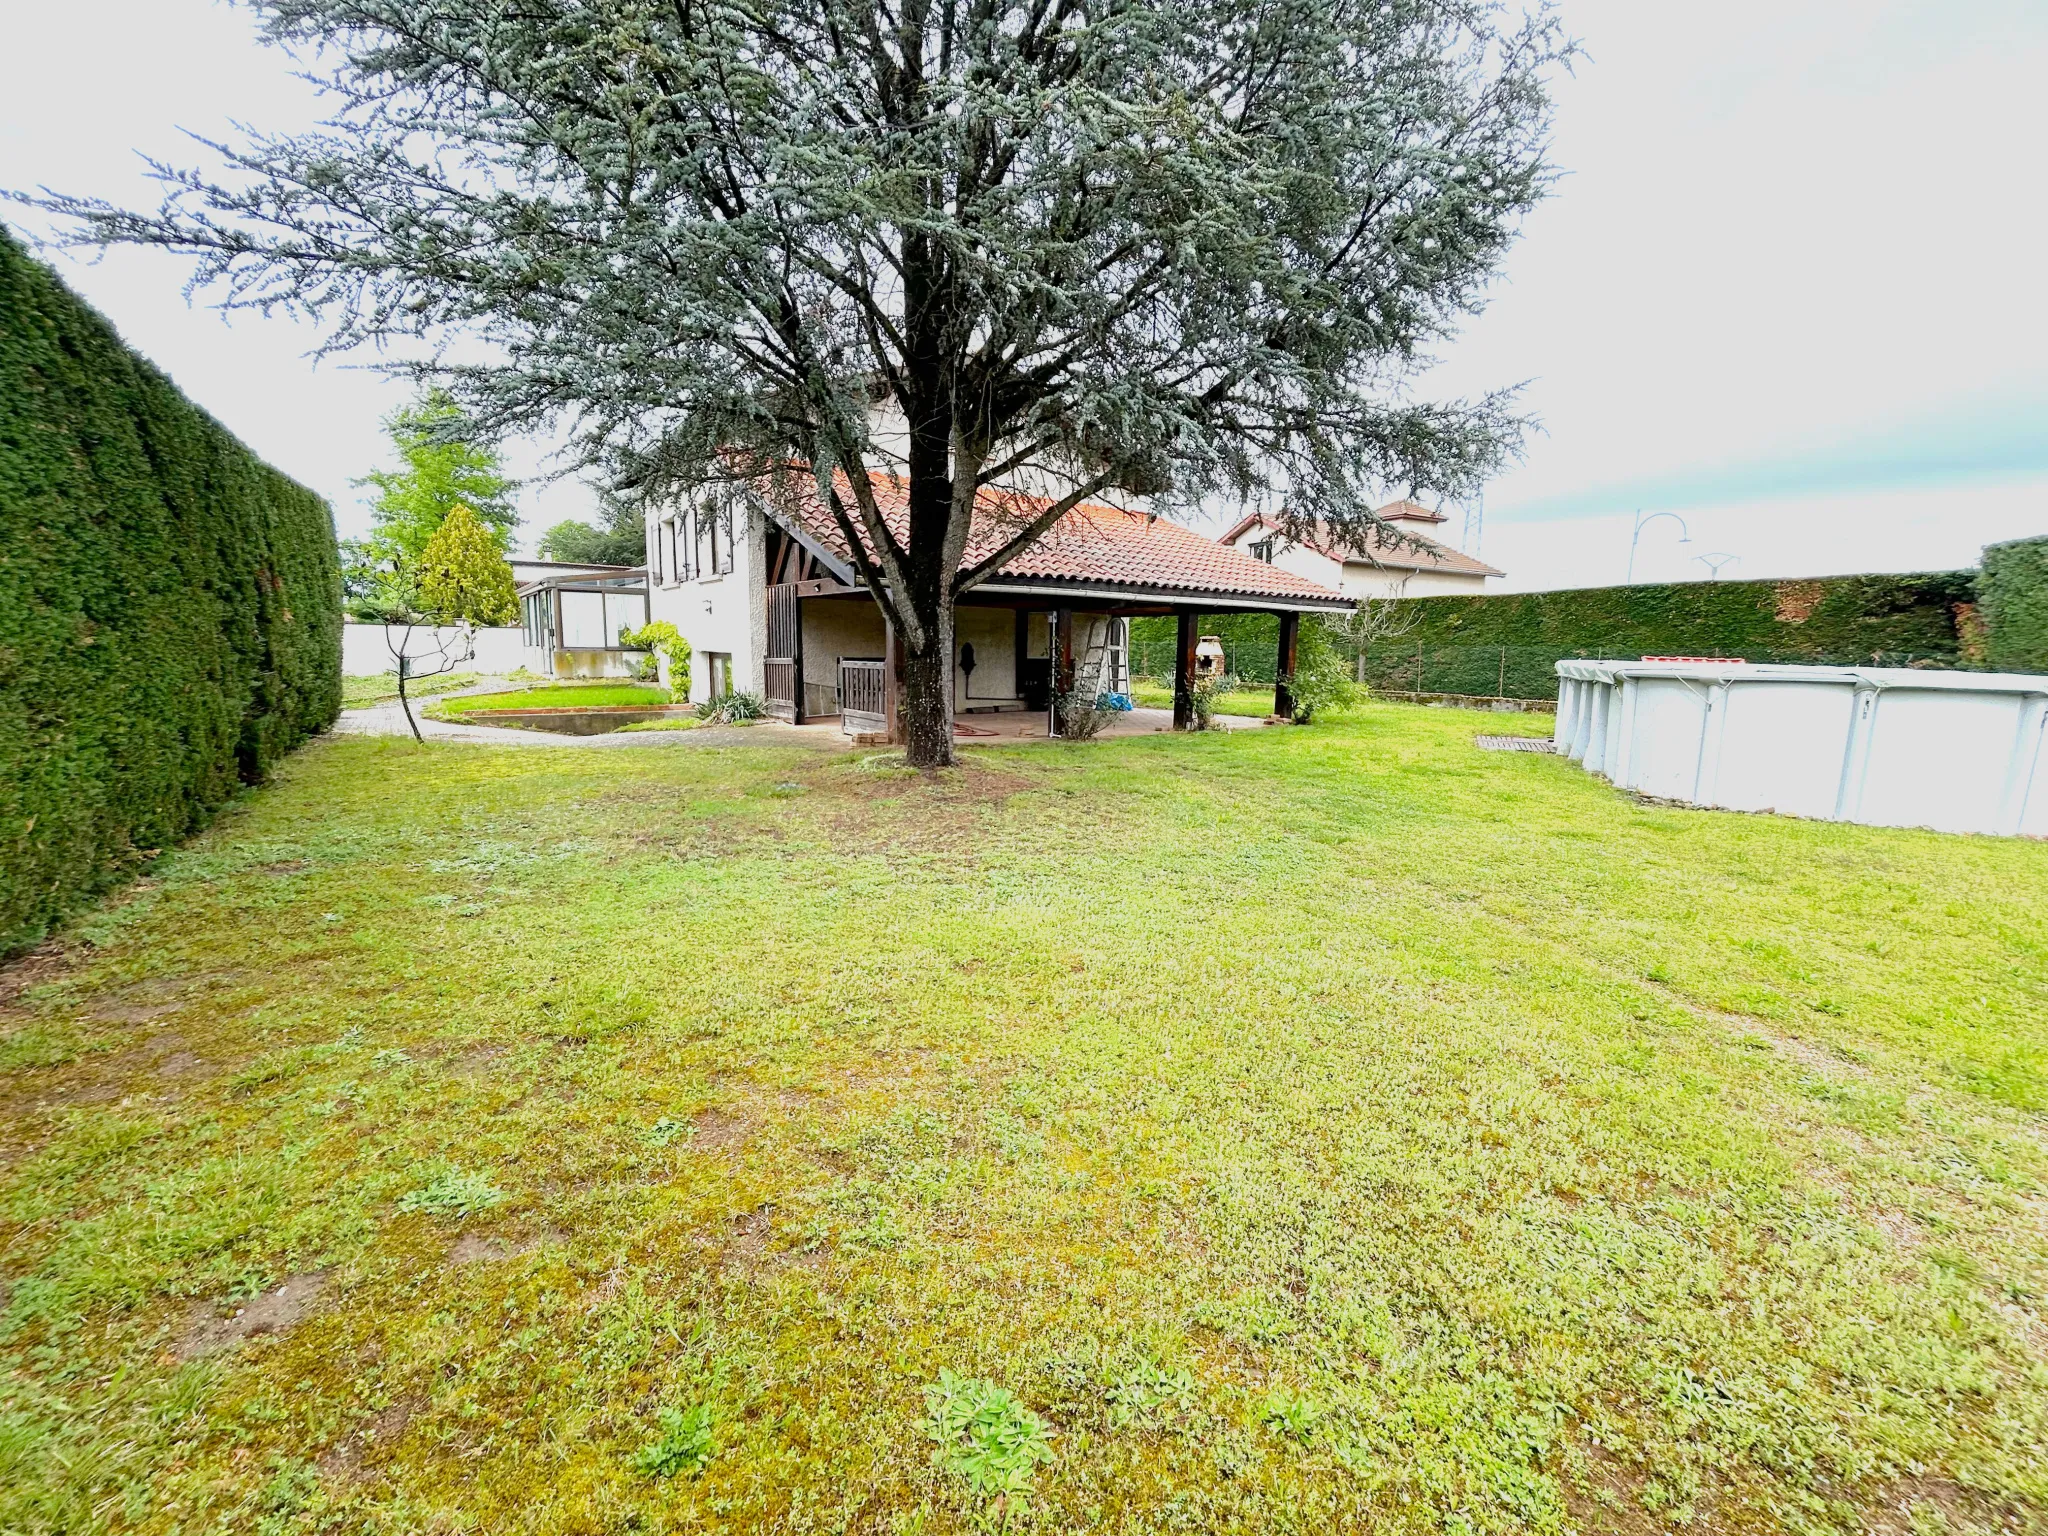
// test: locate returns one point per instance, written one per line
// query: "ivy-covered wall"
(170, 607)
(2012, 597)
(1511, 644)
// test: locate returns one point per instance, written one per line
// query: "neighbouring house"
(1399, 560)
(571, 616)
(762, 586)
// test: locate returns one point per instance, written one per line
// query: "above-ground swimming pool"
(1887, 746)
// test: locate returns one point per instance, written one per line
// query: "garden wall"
(2012, 598)
(366, 649)
(170, 607)
(1510, 645)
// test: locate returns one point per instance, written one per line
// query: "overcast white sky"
(1791, 287)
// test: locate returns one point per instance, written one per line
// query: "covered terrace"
(1052, 623)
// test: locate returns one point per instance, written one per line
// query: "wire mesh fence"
(1530, 671)
(1475, 671)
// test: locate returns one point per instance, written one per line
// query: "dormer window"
(1262, 549)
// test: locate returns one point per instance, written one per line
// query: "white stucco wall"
(836, 628)
(725, 613)
(1362, 580)
(1359, 578)
(367, 649)
(993, 634)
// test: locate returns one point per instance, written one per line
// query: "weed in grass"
(987, 1439)
(686, 1445)
(1294, 1414)
(452, 1192)
(1146, 1395)
(668, 1130)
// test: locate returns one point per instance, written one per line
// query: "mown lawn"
(382, 687)
(1293, 1130)
(1256, 702)
(556, 696)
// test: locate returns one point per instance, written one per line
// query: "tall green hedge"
(1511, 644)
(2012, 595)
(170, 607)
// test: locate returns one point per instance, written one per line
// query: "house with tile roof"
(1399, 560)
(763, 586)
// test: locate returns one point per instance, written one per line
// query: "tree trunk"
(925, 693)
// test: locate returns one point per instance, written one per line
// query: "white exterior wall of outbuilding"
(724, 614)
(1363, 580)
(370, 649)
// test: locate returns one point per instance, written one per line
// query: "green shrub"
(2012, 596)
(170, 607)
(1203, 695)
(1322, 674)
(464, 576)
(665, 640)
(733, 709)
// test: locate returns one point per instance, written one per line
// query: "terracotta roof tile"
(1093, 544)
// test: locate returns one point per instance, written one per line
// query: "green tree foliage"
(1167, 248)
(619, 538)
(444, 468)
(170, 623)
(464, 577)
(2012, 593)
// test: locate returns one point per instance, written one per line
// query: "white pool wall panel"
(1898, 747)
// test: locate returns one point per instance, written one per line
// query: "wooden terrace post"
(892, 665)
(1283, 674)
(796, 608)
(1062, 648)
(1184, 672)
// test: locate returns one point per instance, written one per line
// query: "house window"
(714, 541)
(671, 562)
(1262, 549)
(721, 541)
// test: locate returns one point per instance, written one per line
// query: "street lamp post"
(1636, 535)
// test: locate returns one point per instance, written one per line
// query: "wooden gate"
(782, 672)
(863, 697)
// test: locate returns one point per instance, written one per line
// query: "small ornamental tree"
(464, 577)
(460, 580)
(1169, 249)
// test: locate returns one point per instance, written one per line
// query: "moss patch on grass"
(1337, 1128)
